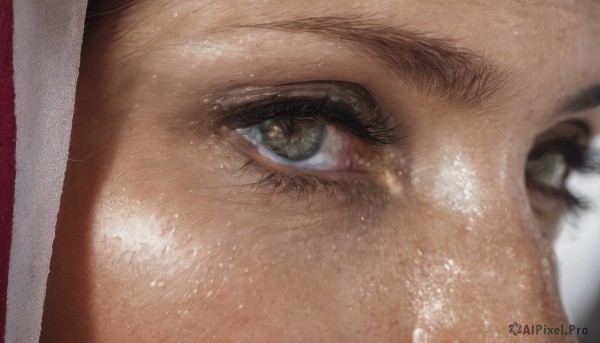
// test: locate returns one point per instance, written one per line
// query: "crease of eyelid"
(376, 127)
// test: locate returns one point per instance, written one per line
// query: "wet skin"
(166, 234)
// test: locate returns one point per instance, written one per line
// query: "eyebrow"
(585, 99)
(433, 65)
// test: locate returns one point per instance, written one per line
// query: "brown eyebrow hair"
(434, 65)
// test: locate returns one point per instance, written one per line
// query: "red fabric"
(7, 150)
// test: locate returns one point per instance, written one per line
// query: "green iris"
(293, 139)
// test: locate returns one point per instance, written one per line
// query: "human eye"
(324, 132)
(557, 155)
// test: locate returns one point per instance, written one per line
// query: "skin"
(160, 237)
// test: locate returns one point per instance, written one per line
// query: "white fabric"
(47, 46)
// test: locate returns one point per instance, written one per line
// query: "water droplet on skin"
(209, 293)
(419, 252)
(362, 219)
(153, 283)
(246, 270)
(419, 336)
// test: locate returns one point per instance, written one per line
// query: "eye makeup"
(560, 152)
(347, 105)
(308, 133)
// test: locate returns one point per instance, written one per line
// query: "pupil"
(293, 139)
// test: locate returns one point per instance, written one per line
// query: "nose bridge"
(484, 264)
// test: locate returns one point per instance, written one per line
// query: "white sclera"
(333, 154)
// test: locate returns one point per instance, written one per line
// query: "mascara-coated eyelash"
(345, 105)
(308, 134)
(563, 155)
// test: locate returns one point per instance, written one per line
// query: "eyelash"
(372, 128)
(580, 158)
(375, 130)
(304, 186)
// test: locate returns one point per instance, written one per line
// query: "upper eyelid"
(231, 97)
(368, 122)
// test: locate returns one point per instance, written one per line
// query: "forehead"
(507, 30)
(462, 18)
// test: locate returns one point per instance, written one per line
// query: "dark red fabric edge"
(7, 150)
